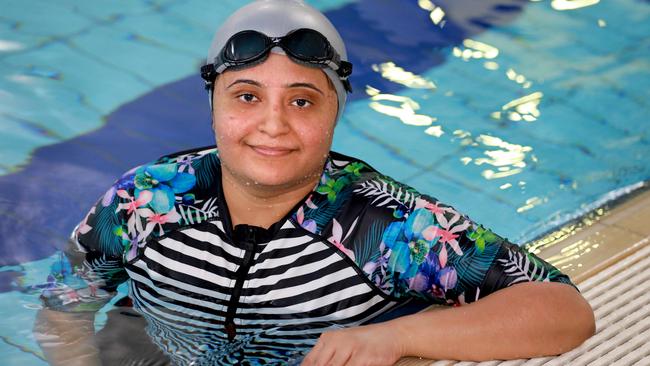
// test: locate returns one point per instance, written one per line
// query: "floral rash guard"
(357, 247)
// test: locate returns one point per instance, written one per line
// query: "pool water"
(519, 113)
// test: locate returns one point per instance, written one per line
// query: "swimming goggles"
(304, 46)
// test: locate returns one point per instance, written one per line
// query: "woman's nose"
(275, 122)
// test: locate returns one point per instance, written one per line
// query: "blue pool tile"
(608, 105)
(633, 78)
(410, 141)
(44, 18)
(629, 18)
(98, 84)
(61, 111)
(211, 14)
(123, 50)
(544, 197)
(19, 139)
(176, 34)
(10, 32)
(559, 123)
(113, 10)
(565, 161)
(207, 16)
(349, 141)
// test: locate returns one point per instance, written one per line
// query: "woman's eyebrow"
(305, 85)
(245, 81)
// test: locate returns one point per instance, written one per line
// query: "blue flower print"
(409, 248)
(164, 181)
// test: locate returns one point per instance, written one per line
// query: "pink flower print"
(311, 204)
(143, 198)
(446, 237)
(449, 235)
(134, 209)
(337, 233)
(434, 208)
(154, 219)
(83, 227)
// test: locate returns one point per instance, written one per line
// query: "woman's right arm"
(81, 283)
(67, 338)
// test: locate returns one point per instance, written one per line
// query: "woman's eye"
(301, 103)
(247, 97)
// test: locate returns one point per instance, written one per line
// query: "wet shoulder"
(151, 200)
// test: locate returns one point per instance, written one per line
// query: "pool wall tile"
(44, 18)
(350, 141)
(127, 53)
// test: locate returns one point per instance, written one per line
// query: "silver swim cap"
(276, 18)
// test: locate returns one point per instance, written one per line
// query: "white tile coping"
(620, 297)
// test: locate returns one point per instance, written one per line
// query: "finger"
(340, 358)
(319, 355)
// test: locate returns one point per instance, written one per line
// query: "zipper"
(246, 240)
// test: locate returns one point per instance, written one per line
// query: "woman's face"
(274, 123)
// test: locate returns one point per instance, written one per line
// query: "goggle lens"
(246, 46)
(307, 45)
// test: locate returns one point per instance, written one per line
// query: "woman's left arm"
(524, 320)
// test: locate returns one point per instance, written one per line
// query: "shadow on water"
(43, 201)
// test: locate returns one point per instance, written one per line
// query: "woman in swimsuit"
(269, 243)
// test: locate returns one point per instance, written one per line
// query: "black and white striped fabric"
(297, 287)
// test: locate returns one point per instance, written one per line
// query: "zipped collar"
(261, 235)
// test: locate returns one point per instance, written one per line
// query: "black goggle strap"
(208, 73)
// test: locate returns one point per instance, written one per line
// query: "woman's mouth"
(271, 150)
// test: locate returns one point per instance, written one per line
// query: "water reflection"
(531, 203)
(396, 74)
(8, 46)
(491, 65)
(525, 108)
(572, 4)
(518, 78)
(437, 14)
(509, 159)
(475, 50)
(404, 110)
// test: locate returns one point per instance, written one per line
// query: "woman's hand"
(375, 345)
